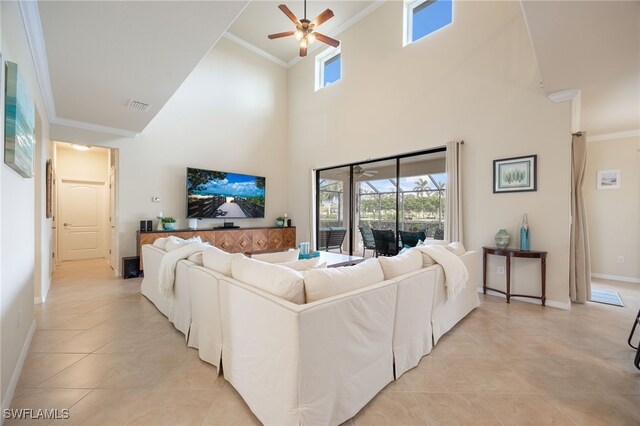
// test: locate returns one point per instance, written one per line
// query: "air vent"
(138, 106)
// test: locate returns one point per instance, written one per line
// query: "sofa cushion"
(409, 261)
(456, 248)
(322, 283)
(278, 257)
(174, 242)
(274, 279)
(218, 260)
(305, 264)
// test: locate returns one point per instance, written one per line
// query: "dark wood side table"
(508, 254)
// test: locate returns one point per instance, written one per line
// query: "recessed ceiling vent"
(138, 106)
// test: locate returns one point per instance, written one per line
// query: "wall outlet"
(620, 259)
(500, 270)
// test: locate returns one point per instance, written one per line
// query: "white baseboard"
(6, 402)
(550, 303)
(617, 278)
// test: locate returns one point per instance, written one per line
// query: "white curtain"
(579, 261)
(453, 200)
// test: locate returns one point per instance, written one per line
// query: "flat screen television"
(221, 195)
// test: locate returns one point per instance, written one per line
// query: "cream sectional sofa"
(318, 362)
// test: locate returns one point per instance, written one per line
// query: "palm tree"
(421, 186)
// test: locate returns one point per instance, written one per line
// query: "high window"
(422, 17)
(328, 68)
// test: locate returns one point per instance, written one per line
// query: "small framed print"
(608, 179)
(516, 174)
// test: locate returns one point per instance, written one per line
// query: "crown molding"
(613, 136)
(35, 38)
(94, 127)
(348, 23)
(255, 49)
(563, 95)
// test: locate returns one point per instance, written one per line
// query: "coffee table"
(335, 260)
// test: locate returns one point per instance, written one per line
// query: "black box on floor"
(131, 267)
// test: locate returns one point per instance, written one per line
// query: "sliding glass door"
(377, 207)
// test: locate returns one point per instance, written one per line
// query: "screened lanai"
(398, 194)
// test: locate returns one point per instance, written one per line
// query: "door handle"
(67, 224)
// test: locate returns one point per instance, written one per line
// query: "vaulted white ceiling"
(101, 54)
(94, 56)
(593, 46)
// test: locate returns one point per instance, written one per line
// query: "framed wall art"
(516, 174)
(608, 179)
(19, 123)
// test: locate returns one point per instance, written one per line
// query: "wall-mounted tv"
(221, 195)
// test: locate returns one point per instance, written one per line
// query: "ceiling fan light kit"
(305, 30)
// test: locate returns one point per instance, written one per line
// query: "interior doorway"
(85, 203)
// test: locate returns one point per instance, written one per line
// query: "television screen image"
(221, 195)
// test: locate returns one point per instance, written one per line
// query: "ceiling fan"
(305, 29)
(357, 170)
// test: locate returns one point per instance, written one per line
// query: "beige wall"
(475, 80)
(614, 214)
(24, 233)
(230, 114)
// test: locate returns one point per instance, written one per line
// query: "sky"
(233, 186)
(430, 18)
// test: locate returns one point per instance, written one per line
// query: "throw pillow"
(274, 279)
(161, 243)
(322, 283)
(196, 258)
(174, 242)
(218, 260)
(278, 257)
(409, 261)
(456, 248)
(426, 259)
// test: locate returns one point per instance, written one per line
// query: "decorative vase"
(169, 226)
(280, 223)
(503, 239)
(524, 234)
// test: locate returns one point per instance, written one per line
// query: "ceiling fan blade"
(303, 50)
(323, 17)
(327, 40)
(289, 13)
(279, 35)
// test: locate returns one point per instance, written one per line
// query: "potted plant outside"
(168, 223)
(280, 221)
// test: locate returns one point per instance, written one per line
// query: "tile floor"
(104, 351)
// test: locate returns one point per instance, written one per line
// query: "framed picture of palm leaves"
(516, 174)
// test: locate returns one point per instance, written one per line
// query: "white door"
(112, 219)
(81, 219)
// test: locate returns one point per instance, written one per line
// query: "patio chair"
(410, 239)
(336, 238)
(323, 238)
(367, 239)
(385, 242)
